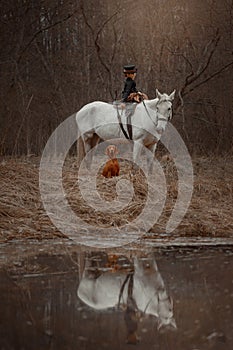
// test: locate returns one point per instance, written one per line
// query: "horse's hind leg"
(95, 140)
(88, 158)
(90, 141)
(80, 150)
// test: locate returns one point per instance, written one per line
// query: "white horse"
(99, 121)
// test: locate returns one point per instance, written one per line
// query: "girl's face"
(132, 76)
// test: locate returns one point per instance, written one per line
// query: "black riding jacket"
(130, 86)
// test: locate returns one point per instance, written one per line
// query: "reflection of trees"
(138, 288)
(57, 56)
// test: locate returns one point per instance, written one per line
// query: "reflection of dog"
(112, 167)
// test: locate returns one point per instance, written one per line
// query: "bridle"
(160, 116)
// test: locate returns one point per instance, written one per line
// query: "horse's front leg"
(137, 150)
(150, 160)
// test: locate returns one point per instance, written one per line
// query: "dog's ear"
(116, 150)
(107, 151)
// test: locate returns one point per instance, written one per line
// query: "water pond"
(156, 298)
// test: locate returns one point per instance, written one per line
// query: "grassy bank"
(210, 214)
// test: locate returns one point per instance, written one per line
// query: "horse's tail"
(80, 147)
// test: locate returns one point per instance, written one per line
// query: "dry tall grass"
(210, 214)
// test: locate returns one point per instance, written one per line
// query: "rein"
(147, 112)
(129, 136)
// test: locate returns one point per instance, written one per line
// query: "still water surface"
(176, 299)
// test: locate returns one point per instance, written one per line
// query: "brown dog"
(112, 167)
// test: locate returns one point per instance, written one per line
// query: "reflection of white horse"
(99, 120)
(109, 289)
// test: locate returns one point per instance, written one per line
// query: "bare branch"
(96, 37)
(209, 77)
(207, 56)
(208, 52)
(41, 31)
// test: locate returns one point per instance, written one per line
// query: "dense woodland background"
(57, 55)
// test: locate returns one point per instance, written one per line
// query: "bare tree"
(57, 56)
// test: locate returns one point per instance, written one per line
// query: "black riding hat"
(130, 69)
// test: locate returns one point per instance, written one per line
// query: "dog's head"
(111, 151)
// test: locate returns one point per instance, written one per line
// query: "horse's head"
(165, 311)
(164, 109)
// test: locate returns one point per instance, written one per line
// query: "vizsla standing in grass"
(112, 167)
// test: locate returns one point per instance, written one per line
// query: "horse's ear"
(171, 97)
(158, 94)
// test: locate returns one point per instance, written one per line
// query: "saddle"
(137, 97)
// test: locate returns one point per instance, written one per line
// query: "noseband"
(161, 117)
